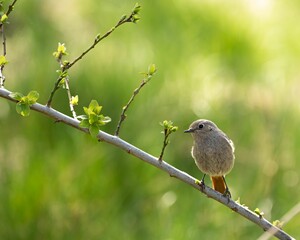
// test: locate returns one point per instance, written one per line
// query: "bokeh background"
(234, 62)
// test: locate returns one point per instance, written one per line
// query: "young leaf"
(84, 123)
(3, 60)
(33, 97)
(61, 50)
(23, 109)
(16, 95)
(74, 100)
(94, 130)
(93, 119)
(152, 69)
(4, 18)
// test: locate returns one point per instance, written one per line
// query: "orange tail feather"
(218, 184)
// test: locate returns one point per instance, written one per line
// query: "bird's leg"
(227, 192)
(201, 183)
(202, 179)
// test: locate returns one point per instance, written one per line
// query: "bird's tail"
(218, 184)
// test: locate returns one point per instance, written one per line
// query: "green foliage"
(3, 60)
(61, 51)
(278, 223)
(258, 212)
(93, 119)
(4, 18)
(150, 72)
(24, 102)
(74, 100)
(135, 13)
(168, 127)
(151, 69)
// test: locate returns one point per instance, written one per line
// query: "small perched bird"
(213, 153)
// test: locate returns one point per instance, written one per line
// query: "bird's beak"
(189, 130)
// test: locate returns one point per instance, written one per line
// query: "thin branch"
(165, 144)
(168, 129)
(100, 38)
(125, 108)
(2, 77)
(67, 86)
(56, 87)
(9, 10)
(172, 171)
(3, 40)
(133, 17)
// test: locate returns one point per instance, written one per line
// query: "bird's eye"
(201, 126)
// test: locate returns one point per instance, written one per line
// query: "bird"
(213, 153)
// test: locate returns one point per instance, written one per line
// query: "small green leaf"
(24, 102)
(62, 82)
(136, 9)
(16, 95)
(61, 50)
(94, 130)
(174, 128)
(3, 60)
(94, 106)
(98, 37)
(122, 18)
(84, 123)
(136, 18)
(278, 224)
(93, 118)
(135, 13)
(258, 212)
(4, 18)
(152, 69)
(74, 100)
(106, 120)
(23, 109)
(86, 110)
(33, 96)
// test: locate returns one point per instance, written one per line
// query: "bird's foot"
(227, 194)
(201, 184)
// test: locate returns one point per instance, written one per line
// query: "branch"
(146, 79)
(9, 10)
(168, 129)
(2, 77)
(133, 17)
(169, 169)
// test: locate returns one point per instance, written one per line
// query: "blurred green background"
(234, 62)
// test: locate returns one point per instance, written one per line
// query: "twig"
(125, 108)
(172, 171)
(56, 87)
(124, 19)
(67, 86)
(100, 38)
(3, 40)
(151, 71)
(9, 10)
(165, 144)
(2, 77)
(168, 129)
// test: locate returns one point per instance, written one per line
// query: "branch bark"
(171, 170)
